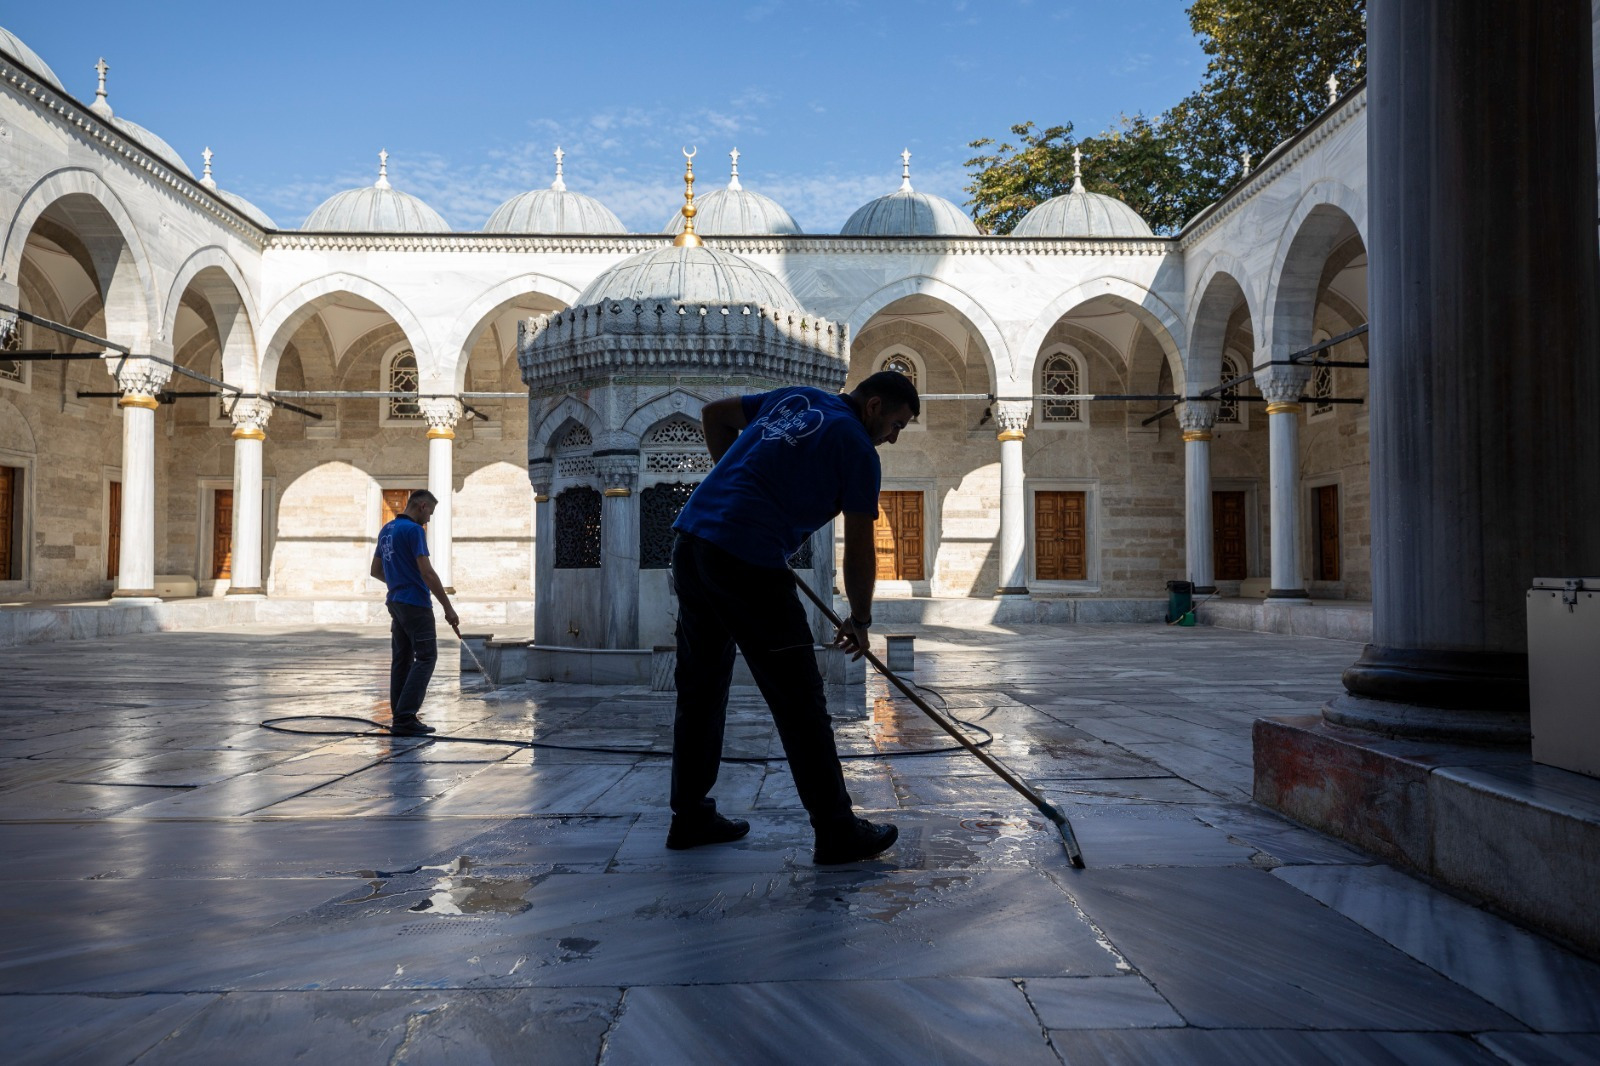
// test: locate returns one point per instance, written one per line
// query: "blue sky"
(297, 98)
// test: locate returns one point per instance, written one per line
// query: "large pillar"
(249, 433)
(1197, 417)
(1485, 364)
(619, 549)
(1013, 417)
(140, 380)
(442, 415)
(1281, 387)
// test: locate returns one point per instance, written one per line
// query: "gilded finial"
(559, 185)
(383, 169)
(688, 238)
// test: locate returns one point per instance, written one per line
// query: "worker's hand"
(852, 637)
(453, 619)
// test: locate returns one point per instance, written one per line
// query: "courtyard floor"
(186, 886)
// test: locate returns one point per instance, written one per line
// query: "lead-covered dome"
(377, 208)
(736, 211)
(553, 210)
(14, 48)
(908, 213)
(1080, 213)
(689, 274)
(234, 200)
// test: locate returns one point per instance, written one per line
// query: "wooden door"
(394, 501)
(1327, 509)
(897, 536)
(1060, 536)
(1228, 559)
(113, 529)
(9, 515)
(222, 534)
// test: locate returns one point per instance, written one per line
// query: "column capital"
(250, 419)
(1197, 416)
(619, 473)
(1013, 417)
(137, 378)
(1281, 387)
(540, 473)
(442, 414)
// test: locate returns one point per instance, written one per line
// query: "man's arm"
(430, 577)
(860, 578)
(722, 420)
(377, 566)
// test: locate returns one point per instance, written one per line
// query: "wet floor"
(183, 884)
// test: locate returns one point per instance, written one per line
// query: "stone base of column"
(1485, 820)
(1292, 595)
(258, 593)
(1460, 696)
(1012, 590)
(1205, 590)
(136, 594)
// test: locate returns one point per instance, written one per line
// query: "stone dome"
(248, 209)
(690, 274)
(908, 213)
(1080, 213)
(13, 47)
(376, 208)
(553, 210)
(735, 211)
(157, 147)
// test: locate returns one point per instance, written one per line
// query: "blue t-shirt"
(399, 544)
(803, 457)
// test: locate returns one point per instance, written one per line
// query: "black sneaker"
(686, 834)
(411, 727)
(858, 840)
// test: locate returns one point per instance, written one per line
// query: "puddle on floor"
(457, 892)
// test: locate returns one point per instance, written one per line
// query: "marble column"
(442, 416)
(139, 380)
(540, 472)
(1485, 323)
(1013, 416)
(1197, 417)
(619, 549)
(1282, 387)
(249, 434)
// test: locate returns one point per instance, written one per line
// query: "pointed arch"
(1323, 218)
(471, 322)
(647, 416)
(1220, 287)
(960, 302)
(543, 435)
(124, 272)
(293, 309)
(1152, 311)
(215, 275)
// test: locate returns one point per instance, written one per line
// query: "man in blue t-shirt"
(401, 562)
(787, 462)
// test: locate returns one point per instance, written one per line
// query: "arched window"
(676, 446)
(907, 363)
(1061, 375)
(402, 376)
(1321, 381)
(1229, 410)
(901, 364)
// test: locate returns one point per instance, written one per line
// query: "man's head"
(887, 402)
(420, 505)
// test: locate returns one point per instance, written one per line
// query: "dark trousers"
(723, 601)
(414, 648)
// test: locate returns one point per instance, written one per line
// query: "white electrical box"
(1564, 672)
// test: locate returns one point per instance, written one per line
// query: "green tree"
(1266, 80)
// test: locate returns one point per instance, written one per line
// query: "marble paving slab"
(51, 1030)
(1228, 948)
(1540, 984)
(1127, 1002)
(931, 1022)
(1199, 1047)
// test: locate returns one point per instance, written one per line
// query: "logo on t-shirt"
(791, 419)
